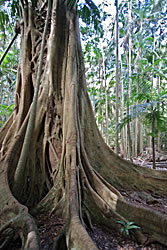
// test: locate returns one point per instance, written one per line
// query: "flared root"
(69, 170)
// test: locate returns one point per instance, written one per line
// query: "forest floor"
(104, 239)
(49, 227)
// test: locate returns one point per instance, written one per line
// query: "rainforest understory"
(68, 170)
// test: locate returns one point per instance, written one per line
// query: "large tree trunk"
(69, 168)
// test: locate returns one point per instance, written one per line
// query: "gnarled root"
(15, 220)
(23, 224)
(106, 208)
(78, 237)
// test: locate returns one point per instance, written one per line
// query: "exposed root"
(24, 225)
(15, 216)
(69, 169)
(77, 237)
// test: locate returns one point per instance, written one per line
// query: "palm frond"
(9, 13)
(90, 14)
(92, 5)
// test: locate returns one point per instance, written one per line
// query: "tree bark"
(117, 81)
(106, 96)
(158, 109)
(129, 126)
(123, 146)
(69, 167)
(153, 138)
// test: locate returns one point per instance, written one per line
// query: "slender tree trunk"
(153, 139)
(117, 80)
(1, 93)
(140, 125)
(130, 80)
(136, 137)
(126, 140)
(153, 60)
(158, 109)
(106, 96)
(123, 134)
(106, 109)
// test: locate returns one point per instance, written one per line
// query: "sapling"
(127, 228)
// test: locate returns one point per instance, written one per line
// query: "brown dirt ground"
(50, 226)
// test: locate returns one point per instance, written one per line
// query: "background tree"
(117, 76)
(145, 47)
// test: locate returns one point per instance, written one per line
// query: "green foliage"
(9, 12)
(5, 112)
(127, 227)
(90, 15)
(15, 9)
(148, 63)
(152, 109)
(4, 19)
